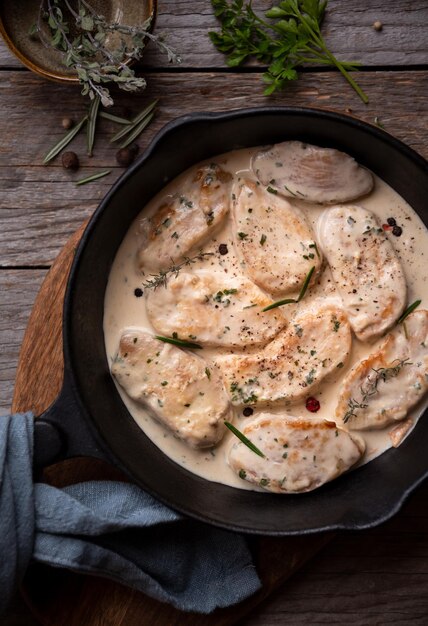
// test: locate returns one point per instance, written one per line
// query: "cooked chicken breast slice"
(177, 387)
(183, 222)
(383, 388)
(311, 173)
(273, 239)
(288, 369)
(365, 268)
(300, 454)
(213, 309)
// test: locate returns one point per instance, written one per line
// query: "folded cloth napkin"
(115, 530)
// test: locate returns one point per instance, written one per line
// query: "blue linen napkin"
(112, 529)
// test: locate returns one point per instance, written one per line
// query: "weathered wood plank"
(371, 578)
(40, 206)
(347, 28)
(18, 290)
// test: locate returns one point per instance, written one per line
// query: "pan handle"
(62, 432)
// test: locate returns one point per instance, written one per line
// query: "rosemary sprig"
(303, 290)
(89, 179)
(291, 38)
(161, 279)
(137, 130)
(244, 439)
(64, 141)
(371, 388)
(409, 310)
(179, 342)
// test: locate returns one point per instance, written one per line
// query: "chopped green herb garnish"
(242, 235)
(263, 240)
(208, 373)
(271, 190)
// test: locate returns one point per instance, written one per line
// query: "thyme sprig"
(244, 439)
(371, 387)
(303, 290)
(161, 279)
(290, 39)
(83, 38)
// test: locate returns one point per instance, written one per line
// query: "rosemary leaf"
(64, 141)
(244, 439)
(179, 342)
(137, 130)
(409, 310)
(274, 305)
(114, 118)
(89, 179)
(303, 290)
(134, 122)
(92, 122)
(306, 284)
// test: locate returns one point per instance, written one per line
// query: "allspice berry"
(378, 25)
(67, 123)
(125, 156)
(70, 161)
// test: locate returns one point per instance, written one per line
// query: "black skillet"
(89, 417)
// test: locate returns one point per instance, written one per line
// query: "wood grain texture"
(40, 206)
(66, 598)
(347, 30)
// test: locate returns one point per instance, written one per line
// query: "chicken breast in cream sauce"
(207, 255)
(213, 309)
(300, 170)
(365, 268)
(273, 239)
(383, 388)
(176, 386)
(300, 454)
(184, 220)
(315, 345)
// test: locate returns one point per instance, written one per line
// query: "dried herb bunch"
(97, 50)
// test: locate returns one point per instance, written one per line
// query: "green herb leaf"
(303, 290)
(64, 141)
(306, 284)
(244, 439)
(409, 310)
(114, 118)
(179, 342)
(134, 122)
(137, 130)
(92, 122)
(89, 179)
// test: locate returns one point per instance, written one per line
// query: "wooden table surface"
(370, 578)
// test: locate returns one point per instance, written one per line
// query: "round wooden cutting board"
(61, 597)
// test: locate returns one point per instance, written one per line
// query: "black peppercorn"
(397, 230)
(67, 123)
(391, 221)
(125, 156)
(138, 292)
(70, 161)
(223, 248)
(247, 411)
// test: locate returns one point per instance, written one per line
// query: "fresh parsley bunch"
(292, 37)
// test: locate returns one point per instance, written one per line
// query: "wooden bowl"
(18, 16)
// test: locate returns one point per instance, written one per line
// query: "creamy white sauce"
(123, 310)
